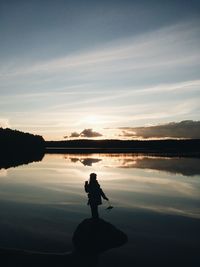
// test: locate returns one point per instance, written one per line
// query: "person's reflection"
(94, 195)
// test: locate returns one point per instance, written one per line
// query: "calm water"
(156, 203)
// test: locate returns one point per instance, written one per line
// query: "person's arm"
(103, 195)
(86, 187)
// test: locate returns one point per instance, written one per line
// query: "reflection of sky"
(42, 203)
(59, 179)
(184, 166)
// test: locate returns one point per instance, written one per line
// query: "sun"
(92, 120)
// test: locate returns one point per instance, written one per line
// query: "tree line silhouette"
(182, 146)
(19, 148)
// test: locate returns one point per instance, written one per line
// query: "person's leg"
(94, 211)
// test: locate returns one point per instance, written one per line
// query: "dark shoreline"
(171, 147)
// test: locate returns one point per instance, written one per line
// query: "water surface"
(156, 203)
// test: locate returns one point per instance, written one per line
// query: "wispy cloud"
(161, 48)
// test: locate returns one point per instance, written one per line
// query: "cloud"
(129, 81)
(183, 129)
(88, 133)
(74, 134)
(125, 54)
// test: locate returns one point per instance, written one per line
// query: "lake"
(156, 204)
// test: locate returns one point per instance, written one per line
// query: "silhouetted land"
(20, 148)
(168, 147)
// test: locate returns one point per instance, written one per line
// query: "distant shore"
(189, 147)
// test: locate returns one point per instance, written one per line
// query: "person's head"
(93, 177)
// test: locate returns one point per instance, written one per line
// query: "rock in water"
(97, 236)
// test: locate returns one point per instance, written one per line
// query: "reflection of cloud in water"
(74, 160)
(168, 197)
(89, 161)
(154, 187)
(85, 160)
(167, 210)
(130, 181)
(184, 166)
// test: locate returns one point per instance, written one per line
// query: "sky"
(100, 69)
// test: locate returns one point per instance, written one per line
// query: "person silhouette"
(94, 195)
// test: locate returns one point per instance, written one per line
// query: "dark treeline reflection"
(90, 239)
(14, 160)
(180, 165)
(19, 148)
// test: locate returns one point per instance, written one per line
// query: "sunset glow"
(100, 66)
